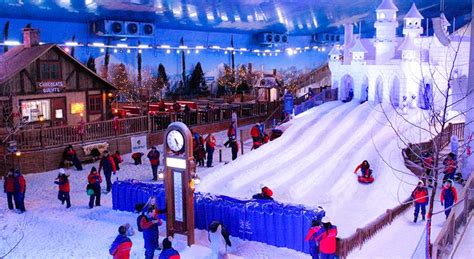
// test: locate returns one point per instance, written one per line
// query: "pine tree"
(197, 79)
(163, 80)
(91, 64)
(121, 80)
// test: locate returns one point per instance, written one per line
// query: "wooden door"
(58, 111)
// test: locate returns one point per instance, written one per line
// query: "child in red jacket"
(311, 238)
(64, 188)
(122, 245)
(9, 188)
(420, 199)
(19, 184)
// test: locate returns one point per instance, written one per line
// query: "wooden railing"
(47, 137)
(318, 99)
(458, 217)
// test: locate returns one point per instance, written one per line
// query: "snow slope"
(313, 163)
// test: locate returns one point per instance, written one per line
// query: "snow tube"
(365, 180)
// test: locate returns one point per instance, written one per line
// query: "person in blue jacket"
(168, 251)
(122, 244)
(149, 224)
(108, 164)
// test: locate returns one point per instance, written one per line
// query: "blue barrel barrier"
(270, 222)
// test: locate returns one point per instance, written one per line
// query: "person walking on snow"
(9, 189)
(420, 199)
(450, 166)
(428, 165)
(154, 157)
(168, 251)
(64, 188)
(117, 159)
(210, 147)
(219, 238)
(19, 184)
(149, 224)
(449, 196)
(107, 163)
(364, 168)
(326, 237)
(310, 238)
(120, 248)
(93, 188)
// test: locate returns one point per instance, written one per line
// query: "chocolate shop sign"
(51, 86)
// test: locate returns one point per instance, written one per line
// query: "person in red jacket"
(326, 237)
(168, 251)
(449, 196)
(149, 224)
(154, 156)
(420, 199)
(122, 245)
(255, 133)
(64, 188)
(9, 188)
(19, 184)
(117, 159)
(364, 168)
(94, 180)
(428, 165)
(210, 147)
(450, 166)
(108, 164)
(310, 238)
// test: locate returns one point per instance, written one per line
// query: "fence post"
(148, 121)
(220, 155)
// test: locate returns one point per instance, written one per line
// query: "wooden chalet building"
(44, 84)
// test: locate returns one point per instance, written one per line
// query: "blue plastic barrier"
(268, 222)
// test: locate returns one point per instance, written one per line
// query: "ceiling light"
(12, 43)
(122, 45)
(98, 44)
(71, 43)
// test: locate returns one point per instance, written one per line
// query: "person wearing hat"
(93, 188)
(168, 251)
(326, 237)
(449, 196)
(420, 199)
(310, 238)
(64, 188)
(9, 188)
(266, 194)
(19, 184)
(154, 156)
(122, 245)
(108, 164)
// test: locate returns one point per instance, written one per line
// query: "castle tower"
(412, 22)
(335, 54)
(385, 34)
(410, 52)
(358, 52)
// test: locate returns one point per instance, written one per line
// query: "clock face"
(175, 140)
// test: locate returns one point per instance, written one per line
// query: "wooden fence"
(458, 217)
(43, 137)
(346, 245)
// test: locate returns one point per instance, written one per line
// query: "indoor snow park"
(249, 129)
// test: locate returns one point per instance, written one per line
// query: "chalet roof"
(335, 51)
(413, 13)
(408, 44)
(387, 5)
(358, 47)
(18, 58)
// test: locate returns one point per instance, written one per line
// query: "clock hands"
(177, 144)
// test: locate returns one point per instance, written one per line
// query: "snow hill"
(313, 163)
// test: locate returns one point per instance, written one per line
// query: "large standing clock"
(175, 140)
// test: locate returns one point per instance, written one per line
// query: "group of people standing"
(15, 188)
(321, 238)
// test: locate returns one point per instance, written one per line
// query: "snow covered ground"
(313, 163)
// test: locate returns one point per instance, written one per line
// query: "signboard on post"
(179, 183)
(288, 103)
(138, 144)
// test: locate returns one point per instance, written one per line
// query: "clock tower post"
(179, 180)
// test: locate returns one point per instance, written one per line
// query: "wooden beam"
(22, 83)
(70, 75)
(32, 81)
(77, 80)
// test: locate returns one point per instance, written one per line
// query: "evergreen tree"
(163, 80)
(197, 79)
(121, 80)
(91, 63)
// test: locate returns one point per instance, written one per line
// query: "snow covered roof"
(387, 5)
(413, 13)
(358, 47)
(335, 51)
(408, 44)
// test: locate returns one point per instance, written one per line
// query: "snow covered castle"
(388, 67)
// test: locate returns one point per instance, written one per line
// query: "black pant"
(96, 196)
(75, 161)
(108, 175)
(210, 153)
(19, 201)
(154, 170)
(201, 162)
(10, 200)
(64, 197)
(235, 150)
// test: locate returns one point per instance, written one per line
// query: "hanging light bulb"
(168, 51)
(197, 180)
(115, 50)
(102, 50)
(188, 51)
(178, 51)
(139, 51)
(197, 51)
(241, 53)
(225, 52)
(128, 51)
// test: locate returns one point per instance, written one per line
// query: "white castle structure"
(391, 67)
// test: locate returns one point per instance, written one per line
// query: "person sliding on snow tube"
(366, 176)
(266, 194)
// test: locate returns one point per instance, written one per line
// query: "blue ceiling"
(297, 17)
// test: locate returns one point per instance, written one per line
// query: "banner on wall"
(139, 144)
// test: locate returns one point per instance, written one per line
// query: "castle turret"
(358, 51)
(385, 34)
(412, 22)
(335, 54)
(348, 38)
(410, 52)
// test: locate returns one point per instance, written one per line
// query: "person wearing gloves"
(93, 188)
(168, 251)
(64, 188)
(420, 199)
(326, 237)
(122, 245)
